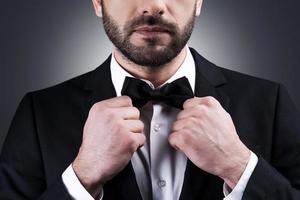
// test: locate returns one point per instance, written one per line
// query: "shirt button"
(156, 127)
(161, 183)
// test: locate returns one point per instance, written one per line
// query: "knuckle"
(175, 126)
(200, 108)
(108, 113)
(95, 110)
(209, 100)
(228, 117)
(141, 124)
(187, 102)
(127, 100)
(190, 122)
(143, 139)
(179, 115)
(178, 139)
(199, 111)
(190, 102)
(136, 111)
(172, 138)
(96, 106)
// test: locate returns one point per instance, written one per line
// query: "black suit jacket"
(46, 133)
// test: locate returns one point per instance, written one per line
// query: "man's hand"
(204, 131)
(112, 133)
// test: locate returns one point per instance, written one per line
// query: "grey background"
(46, 42)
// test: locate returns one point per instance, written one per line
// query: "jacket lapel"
(209, 81)
(100, 87)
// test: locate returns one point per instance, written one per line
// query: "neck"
(156, 75)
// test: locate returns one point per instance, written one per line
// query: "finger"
(139, 139)
(187, 124)
(208, 101)
(121, 101)
(135, 126)
(178, 125)
(196, 112)
(185, 114)
(189, 103)
(176, 140)
(127, 113)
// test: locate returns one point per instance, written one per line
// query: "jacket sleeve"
(21, 167)
(279, 178)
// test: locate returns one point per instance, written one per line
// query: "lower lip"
(150, 33)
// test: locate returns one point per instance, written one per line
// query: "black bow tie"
(173, 94)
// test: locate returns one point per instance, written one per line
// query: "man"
(182, 128)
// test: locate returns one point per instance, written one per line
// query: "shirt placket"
(159, 150)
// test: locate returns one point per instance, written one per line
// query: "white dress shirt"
(158, 167)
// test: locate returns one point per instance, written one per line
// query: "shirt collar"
(187, 69)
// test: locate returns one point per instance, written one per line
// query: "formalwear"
(46, 133)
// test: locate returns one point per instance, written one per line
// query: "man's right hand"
(112, 133)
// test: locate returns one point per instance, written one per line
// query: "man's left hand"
(205, 133)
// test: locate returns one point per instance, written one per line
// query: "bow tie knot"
(173, 94)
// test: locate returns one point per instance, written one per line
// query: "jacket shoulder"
(234, 77)
(63, 89)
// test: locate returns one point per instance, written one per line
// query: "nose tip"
(153, 7)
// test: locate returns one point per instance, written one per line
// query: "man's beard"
(147, 55)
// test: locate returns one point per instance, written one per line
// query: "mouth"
(151, 31)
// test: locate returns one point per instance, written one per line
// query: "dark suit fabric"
(46, 133)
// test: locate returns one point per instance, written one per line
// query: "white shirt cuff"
(75, 188)
(238, 190)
